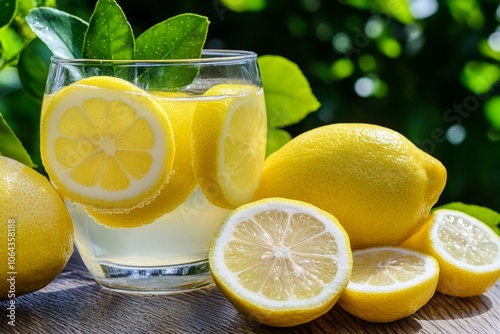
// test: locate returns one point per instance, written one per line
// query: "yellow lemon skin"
(378, 184)
(457, 277)
(36, 230)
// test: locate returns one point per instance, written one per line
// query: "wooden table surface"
(74, 303)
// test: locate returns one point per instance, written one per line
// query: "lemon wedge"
(229, 143)
(281, 262)
(106, 144)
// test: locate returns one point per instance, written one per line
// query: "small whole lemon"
(378, 184)
(35, 228)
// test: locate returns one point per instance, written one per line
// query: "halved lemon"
(106, 144)
(281, 262)
(229, 143)
(468, 252)
(389, 283)
(181, 183)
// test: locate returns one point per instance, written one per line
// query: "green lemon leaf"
(109, 35)
(61, 32)
(33, 67)
(10, 146)
(486, 215)
(8, 9)
(276, 138)
(244, 5)
(287, 92)
(180, 37)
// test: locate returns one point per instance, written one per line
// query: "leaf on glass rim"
(289, 97)
(180, 37)
(486, 215)
(109, 34)
(10, 146)
(8, 9)
(63, 33)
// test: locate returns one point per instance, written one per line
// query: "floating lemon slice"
(389, 283)
(229, 143)
(468, 252)
(281, 262)
(181, 183)
(106, 144)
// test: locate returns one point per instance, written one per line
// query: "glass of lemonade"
(150, 156)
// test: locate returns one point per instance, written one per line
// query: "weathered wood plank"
(74, 303)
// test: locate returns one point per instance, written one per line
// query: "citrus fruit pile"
(130, 156)
(347, 191)
(36, 230)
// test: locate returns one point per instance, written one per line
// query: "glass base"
(152, 280)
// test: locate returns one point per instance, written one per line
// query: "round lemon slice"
(181, 183)
(106, 144)
(389, 283)
(281, 262)
(229, 143)
(468, 252)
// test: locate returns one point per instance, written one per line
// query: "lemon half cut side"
(281, 262)
(106, 144)
(468, 252)
(389, 283)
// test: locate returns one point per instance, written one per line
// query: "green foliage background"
(426, 75)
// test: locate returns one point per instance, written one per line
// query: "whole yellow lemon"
(378, 184)
(35, 228)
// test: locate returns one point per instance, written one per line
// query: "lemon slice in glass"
(106, 144)
(281, 262)
(181, 183)
(229, 143)
(468, 252)
(389, 283)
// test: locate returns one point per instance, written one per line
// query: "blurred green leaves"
(8, 9)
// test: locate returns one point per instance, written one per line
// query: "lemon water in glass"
(150, 156)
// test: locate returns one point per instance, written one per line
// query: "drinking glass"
(169, 254)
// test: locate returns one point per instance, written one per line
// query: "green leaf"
(486, 215)
(276, 138)
(109, 35)
(33, 67)
(61, 32)
(398, 9)
(180, 37)
(244, 5)
(492, 111)
(10, 146)
(480, 76)
(288, 95)
(8, 10)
